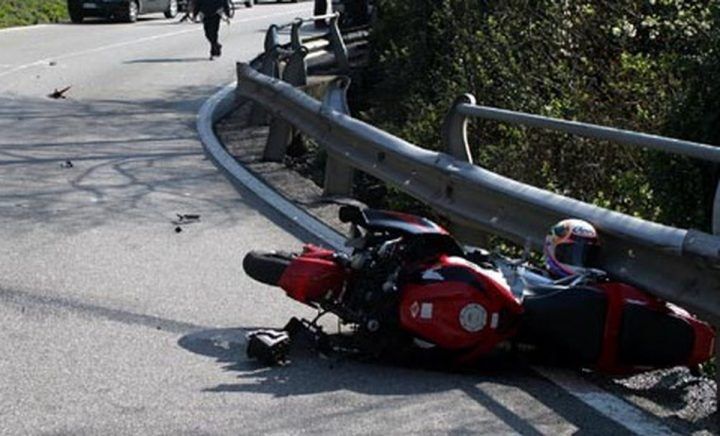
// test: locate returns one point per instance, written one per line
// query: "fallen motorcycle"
(408, 288)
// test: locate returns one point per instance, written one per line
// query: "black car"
(123, 10)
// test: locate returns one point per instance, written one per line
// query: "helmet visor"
(578, 253)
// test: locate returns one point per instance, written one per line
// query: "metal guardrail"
(290, 61)
(455, 136)
(682, 266)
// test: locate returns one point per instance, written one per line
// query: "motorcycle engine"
(372, 292)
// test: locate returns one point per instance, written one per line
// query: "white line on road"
(135, 41)
(606, 403)
(15, 29)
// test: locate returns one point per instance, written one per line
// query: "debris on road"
(183, 219)
(67, 164)
(52, 63)
(57, 94)
(187, 218)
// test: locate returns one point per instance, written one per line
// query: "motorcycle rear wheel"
(266, 266)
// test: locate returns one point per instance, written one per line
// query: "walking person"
(212, 12)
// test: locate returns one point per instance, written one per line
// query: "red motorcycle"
(408, 288)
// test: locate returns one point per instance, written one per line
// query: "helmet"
(570, 247)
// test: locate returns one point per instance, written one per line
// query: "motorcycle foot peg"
(270, 347)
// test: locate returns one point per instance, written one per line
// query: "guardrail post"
(295, 41)
(454, 130)
(338, 174)
(272, 38)
(338, 45)
(281, 132)
(269, 67)
(295, 72)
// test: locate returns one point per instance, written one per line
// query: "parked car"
(122, 10)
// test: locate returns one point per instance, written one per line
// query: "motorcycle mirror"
(351, 214)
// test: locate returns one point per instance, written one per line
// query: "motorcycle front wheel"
(266, 266)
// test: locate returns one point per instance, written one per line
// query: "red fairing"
(620, 297)
(457, 305)
(704, 348)
(312, 275)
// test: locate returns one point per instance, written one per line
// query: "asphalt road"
(113, 323)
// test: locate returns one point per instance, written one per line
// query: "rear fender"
(621, 297)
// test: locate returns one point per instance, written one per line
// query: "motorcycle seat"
(570, 321)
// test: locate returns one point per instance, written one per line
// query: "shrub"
(26, 12)
(650, 66)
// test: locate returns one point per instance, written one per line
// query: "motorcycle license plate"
(89, 6)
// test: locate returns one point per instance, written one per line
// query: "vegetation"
(26, 12)
(651, 66)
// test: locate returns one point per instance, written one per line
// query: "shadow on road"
(77, 164)
(311, 374)
(493, 388)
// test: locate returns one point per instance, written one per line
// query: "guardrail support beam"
(338, 45)
(279, 138)
(295, 41)
(272, 38)
(270, 67)
(295, 72)
(454, 130)
(281, 132)
(338, 174)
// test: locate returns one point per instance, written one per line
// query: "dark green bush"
(26, 12)
(651, 66)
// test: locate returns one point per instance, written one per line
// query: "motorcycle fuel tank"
(456, 304)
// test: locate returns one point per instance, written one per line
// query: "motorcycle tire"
(266, 266)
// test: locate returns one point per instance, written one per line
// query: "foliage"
(26, 12)
(651, 66)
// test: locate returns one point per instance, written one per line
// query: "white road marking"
(15, 29)
(606, 403)
(135, 41)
